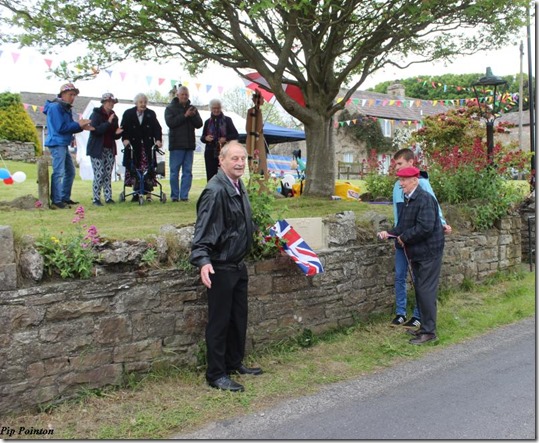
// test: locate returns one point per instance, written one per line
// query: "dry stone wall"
(18, 151)
(58, 337)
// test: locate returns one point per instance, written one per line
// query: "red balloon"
(8, 181)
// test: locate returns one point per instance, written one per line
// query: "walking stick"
(409, 266)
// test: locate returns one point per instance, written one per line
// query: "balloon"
(4, 173)
(19, 177)
(8, 181)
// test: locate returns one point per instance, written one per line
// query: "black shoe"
(398, 320)
(134, 198)
(70, 202)
(59, 205)
(412, 323)
(184, 199)
(175, 200)
(110, 201)
(246, 371)
(97, 203)
(421, 339)
(226, 384)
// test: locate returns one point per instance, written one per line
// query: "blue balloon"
(4, 173)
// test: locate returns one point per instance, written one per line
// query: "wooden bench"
(347, 169)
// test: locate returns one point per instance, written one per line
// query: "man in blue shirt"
(60, 130)
(404, 158)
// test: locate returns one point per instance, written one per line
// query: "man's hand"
(205, 272)
(383, 235)
(447, 229)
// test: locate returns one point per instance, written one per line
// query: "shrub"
(379, 185)
(464, 176)
(71, 255)
(261, 205)
(15, 123)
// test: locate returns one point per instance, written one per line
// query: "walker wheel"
(140, 199)
(122, 196)
(163, 198)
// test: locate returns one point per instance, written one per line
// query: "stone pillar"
(8, 267)
(43, 181)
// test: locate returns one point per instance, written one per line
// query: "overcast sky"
(27, 70)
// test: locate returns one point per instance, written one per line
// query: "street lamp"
(489, 111)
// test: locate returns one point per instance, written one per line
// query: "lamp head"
(490, 80)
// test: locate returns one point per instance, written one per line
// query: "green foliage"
(261, 198)
(441, 132)
(73, 254)
(379, 185)
(15, 123)
(149, 257)
(365, 130)
(463, 176)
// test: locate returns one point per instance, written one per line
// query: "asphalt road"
(483, 388)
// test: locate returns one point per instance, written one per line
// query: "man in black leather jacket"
(223, 235)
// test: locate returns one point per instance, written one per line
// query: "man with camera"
(182, 119)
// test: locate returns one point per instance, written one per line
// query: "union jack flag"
(297, 248)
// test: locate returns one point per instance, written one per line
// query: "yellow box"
(347, 191)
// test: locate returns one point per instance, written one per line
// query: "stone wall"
(527, 211)
(18, 151)
(57, 337)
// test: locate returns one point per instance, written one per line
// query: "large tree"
(318, 45)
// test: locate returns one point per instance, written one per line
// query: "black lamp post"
(489, 112)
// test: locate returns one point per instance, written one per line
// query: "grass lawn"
(130, 220)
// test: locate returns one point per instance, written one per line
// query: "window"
(386, 127)
(348, 157)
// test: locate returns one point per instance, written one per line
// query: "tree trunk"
(320, 172)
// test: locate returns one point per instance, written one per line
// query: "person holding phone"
(182, 118)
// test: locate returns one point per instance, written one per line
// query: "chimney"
(396, 90)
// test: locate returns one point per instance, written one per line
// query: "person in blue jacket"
(60, 130)
(404, 158)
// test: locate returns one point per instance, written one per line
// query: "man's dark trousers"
(226, 330)
(426, 279)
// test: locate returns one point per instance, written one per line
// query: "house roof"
(390, 107)
(36, 101)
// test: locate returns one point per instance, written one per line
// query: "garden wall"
(18, 151)
(57, 337)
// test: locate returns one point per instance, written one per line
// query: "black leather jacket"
(224, 227)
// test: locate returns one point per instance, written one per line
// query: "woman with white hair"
(142, 131)
(218, 130)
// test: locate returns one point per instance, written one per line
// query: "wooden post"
(256, 148)
(43, 181)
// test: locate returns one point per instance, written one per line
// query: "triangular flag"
(15, 56)
(49, 62)
(208, 87)
(149, 79)
(122, 75)
(220, 89)
(25, 105)
(160, 81)
(109, 72)
(34, 107)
